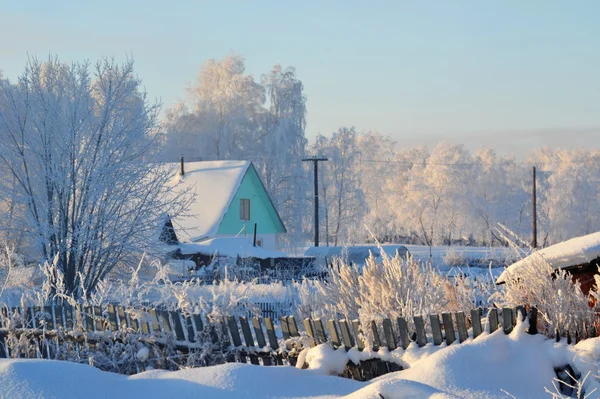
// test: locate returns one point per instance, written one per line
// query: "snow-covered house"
(579, 256)
(230, 200)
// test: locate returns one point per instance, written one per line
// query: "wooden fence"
(258, 340)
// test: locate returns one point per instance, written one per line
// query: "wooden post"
(420, 327)
(346, 334)
(359, 342)
(403, 332)
(476, 322)
(448, 328)
(320, 331)
(534, 212)
(388, 332)
(493, 319)
(293, 326)
(285, 329)
(376, 339)
(333, 332)
(436, 329)
(310, 331)
(507, 319)
(316, 161)
(533, 321)
(461, 325)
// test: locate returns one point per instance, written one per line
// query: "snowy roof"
(215, 183)
(573, 252)
(229, 246)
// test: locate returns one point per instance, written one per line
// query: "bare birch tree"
(77, 149)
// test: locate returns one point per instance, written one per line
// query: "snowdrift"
(489, 367)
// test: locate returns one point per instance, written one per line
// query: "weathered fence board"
(436, 329)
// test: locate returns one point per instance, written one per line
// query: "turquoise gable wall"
(261, 210)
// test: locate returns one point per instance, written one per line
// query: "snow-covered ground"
(491, 366)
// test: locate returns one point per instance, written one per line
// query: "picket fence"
(258, 340)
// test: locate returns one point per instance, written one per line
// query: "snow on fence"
(137, 339)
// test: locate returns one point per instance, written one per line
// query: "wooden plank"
(493, 319)
(165, 322)
(87, 318)
(246, 332)
(112, 317)
(320, 331)
(388, 333)
(476, 322)
(98, 319)
(197, 320)
(507, 320)
(177, 325)
(448, 328)
(153, 322)
(258, 332)
(260, 338)
(461, 325)
(122, 318)
(271, 333)
(376, 338)
(357, 333)
(293, 326)
(436, 329)
(533, 321)
(334, 333)
(285, 329)
(403, 332)
(270, 326)
(310, 331)
(346, 335)
(248, 338)
(420, 327)
(233, 329)
(191, 335)
(235, 335)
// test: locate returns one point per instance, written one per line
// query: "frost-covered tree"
(282, 145)
(342, 197)
(76, 150)
(221, 116)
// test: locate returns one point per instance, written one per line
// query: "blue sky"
(485, 72)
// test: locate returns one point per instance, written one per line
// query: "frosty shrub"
(395, 286)
(559, 299)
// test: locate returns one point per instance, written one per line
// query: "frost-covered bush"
(559, 299)
(395, 286)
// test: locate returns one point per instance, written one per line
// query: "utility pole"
(316, 161)
(534, 212)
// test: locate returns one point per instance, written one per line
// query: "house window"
(244, 209)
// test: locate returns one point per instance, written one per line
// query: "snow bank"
(573, 252)
(488, 367)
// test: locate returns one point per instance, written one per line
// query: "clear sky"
(499, 73)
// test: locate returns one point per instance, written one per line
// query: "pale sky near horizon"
(509, 74)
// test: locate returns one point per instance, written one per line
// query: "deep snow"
(488, 367)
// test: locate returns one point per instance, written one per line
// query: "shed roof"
(573, 252)
(214, 183)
